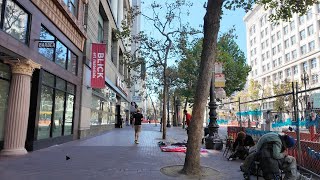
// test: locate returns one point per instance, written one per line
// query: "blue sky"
(197, 12)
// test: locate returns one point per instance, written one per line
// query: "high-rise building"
(138, 90)
(101, 109)
(284, 51)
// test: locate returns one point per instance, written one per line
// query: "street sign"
(219, 80)
(136, 98)
(46, 44)
(217, 67)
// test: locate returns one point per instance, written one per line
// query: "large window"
(5, 76)
(313, 63)
(56, 107)
(72, 6)
(103, 106)
(14, 20)
(60, 54)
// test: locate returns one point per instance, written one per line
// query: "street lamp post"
(213, 141)
(305, 80)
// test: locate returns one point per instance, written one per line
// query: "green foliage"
(254, 93)
(282, 10)
(283, 103)
(234, 64)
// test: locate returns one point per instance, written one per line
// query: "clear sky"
(197, 12)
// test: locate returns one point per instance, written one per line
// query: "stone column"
(120, 13)
(114, 8)
(16, 124)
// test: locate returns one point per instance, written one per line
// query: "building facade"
(101, 109)
(284, 51)
(41, 52)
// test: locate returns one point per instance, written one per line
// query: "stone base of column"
(13, 152)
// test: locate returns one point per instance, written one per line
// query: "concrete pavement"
(112, 155)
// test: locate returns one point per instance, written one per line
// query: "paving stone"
(112, 155)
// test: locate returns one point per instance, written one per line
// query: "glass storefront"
(5, 76)
(56, 107)
(61, 55)
(103, 106)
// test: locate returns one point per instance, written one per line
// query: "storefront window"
(72, 62)
(58, 114)
(4, 93)
(60, 54)
(46, 52)
(15, 21)
(57, 105)
(45, 114)
(103, 107)
(69, 115)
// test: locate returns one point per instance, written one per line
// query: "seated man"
(241, 146)
(270, 152)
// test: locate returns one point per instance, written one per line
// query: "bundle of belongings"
(176, 147)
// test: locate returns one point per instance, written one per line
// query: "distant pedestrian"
(137, 118)
(127, 121)
(188, 119)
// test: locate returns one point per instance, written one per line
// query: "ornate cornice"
(25, 67)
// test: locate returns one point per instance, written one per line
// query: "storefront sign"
(46, 44)
(136, 98)
(219, 80)
(98, 65)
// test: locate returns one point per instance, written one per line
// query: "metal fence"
(296, 113)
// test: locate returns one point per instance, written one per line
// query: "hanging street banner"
(315, 98)
(98, 65)
(219, 80)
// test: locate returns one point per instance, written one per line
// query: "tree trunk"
(164, 105)
(208, 55)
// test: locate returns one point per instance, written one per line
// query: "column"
(18, 107)
(114, 8)
(120, 13)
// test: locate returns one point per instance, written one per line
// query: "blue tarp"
(252, 112)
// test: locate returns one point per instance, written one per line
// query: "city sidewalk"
(112, 155)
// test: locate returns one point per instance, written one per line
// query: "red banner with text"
(98, 65)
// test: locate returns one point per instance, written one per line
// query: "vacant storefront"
(40, 78)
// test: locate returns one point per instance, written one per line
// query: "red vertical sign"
(98, 65)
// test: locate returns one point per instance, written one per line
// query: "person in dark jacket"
(241, 146)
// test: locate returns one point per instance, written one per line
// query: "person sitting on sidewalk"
(270, 153)
(241, 146)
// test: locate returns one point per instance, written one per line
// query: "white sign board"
(217, 67)
(219, 80)
(136, 98)
(315, 98)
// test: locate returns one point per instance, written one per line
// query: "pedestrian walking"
(137, 118)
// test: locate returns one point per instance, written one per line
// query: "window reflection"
(72, 62)
(61, 112)
(58, 114)
(4, 93)
(69, 115)
(46, 52)
(61, 54)
(45, 114)
(15, 21)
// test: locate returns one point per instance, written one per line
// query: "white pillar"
(18, 108)
(120, 13)
(114, 8)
